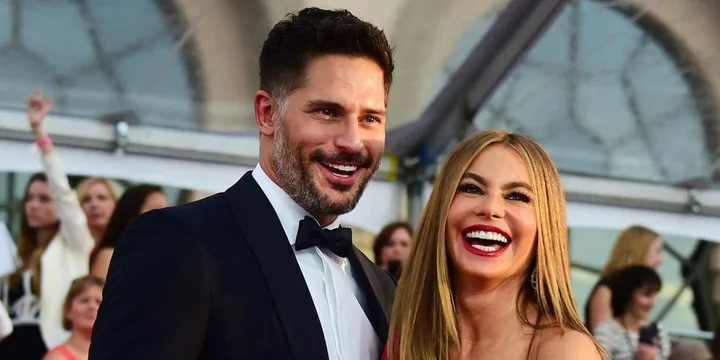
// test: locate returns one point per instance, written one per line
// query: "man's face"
(328, 142)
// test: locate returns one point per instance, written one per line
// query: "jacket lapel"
(275, 256)
(366, 275)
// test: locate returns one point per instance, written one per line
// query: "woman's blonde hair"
(631, 248)
(424, 324)
(116, 190)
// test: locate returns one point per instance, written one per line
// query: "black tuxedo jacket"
(218, 279)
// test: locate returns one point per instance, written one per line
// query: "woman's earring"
(533, 279)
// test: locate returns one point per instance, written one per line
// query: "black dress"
(23, 306)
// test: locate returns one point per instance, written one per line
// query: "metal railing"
(677, 334)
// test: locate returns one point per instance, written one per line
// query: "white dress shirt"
(338, 299)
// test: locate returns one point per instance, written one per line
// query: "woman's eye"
(518, 196)
(470, 188)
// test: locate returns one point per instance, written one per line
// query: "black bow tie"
(310, 234)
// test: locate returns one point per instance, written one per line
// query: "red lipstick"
(481, 252)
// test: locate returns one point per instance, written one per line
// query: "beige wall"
(363, 239)
(229, 37)
(227, 41)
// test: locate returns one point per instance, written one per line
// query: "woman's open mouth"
(485, 240)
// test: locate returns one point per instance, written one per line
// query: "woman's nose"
(33, 205)
(491, 206)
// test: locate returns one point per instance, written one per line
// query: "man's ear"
(264, 112)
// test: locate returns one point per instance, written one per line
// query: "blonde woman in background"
(83, 217)
(636, 245)
(489, 276)
(98, 197)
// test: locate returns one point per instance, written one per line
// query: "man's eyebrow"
(338, 106)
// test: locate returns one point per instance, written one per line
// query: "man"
(250, 273)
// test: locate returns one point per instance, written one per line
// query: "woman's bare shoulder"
(568, 345)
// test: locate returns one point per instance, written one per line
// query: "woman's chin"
(480, 273)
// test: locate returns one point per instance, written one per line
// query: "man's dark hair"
(624, 283)
(299, 38)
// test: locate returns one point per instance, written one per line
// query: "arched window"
(99, 58)
(605, 97)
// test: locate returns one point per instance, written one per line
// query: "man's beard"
(295, 177)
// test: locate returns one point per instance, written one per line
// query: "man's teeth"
(486, 235)
(343, 168)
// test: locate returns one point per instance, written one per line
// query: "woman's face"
(154, 201)
(654, 255)
(643, 301)
(39, 206)
(98, 205)
(83, 309)
(398, 248)
(491, 224)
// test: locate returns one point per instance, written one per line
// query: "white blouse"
(621, 344)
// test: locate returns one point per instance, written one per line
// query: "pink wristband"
(44, 142)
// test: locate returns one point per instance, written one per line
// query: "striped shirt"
(621, 344)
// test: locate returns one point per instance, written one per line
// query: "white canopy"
(379, 205)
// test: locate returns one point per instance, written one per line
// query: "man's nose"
(350, 138)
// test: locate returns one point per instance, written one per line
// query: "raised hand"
(38, 108)
(646, 352)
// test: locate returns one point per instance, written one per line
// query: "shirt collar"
(287, 210)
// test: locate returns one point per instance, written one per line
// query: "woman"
(636, 245)
(489, 274)
(392, 246)
(136, 201)
(81, 307)
(21, 290)
(97, 195)
(634, 291)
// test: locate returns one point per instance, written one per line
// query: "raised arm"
(73, 223)
(156, 298)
